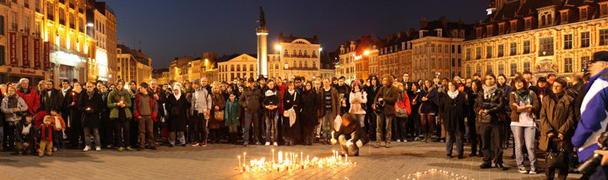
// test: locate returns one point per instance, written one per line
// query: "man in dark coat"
(90, 104)
(50, 100)
(250, 100)
(387, 95)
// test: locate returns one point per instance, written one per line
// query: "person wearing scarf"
(75, 130)
(453, 105)
(46, 137)
(177, 106)
(271, 103)
(490, 102)
(291, 124)
(119, 102)
(523, 103)
(89, 104)
(12, 107)
(25, 135)
(370, 119)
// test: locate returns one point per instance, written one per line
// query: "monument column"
(262, 34)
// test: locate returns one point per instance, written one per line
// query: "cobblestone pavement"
(219, 162)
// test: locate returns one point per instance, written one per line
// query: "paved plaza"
(219, 162)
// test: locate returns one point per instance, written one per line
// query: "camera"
(380, 107)
(590, 165)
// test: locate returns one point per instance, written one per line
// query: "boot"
(233, 138)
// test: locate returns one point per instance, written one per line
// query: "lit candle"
(280, 157)
(346, 159)
(239, 161)
(301, 157)
(272, 156)
(244, 156)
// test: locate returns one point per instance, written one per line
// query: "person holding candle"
(177, 107)
(199, 113)
(74, 123)
(119, 103)
(351, 135)
(271, 103)
(13, 106)
(90, 104)
(145, 113)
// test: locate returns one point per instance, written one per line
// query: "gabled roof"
(291, 38)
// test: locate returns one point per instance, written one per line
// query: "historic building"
(134, 65)
(537, 36)
(355, 57)
(161, 75)
(296, 57)
(237, 66)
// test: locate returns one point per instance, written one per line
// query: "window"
(251, 69)
(603, 37)
(603, 9)
(439, 48)
(468, 54)
(478, 53)
(585, 39)
(501, 50)
(584, 62)
(238, 67)
(568, 65)
(501, 68)
(468, 71)
(489, 31)
(583, 13)
(528, 23)
(564, 17)
(513, 26)
(527, 47)
(432, 47)
(1, 25)
(568, 41)
(513, 48)
(479, 69)
(546, 46)
(501, 28)
(489, 52)
(489, 69)
(446, 48)
(549, 19)
(526, 66)
(459, 62)
(513, 69)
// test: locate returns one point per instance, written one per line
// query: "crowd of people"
(560, 115)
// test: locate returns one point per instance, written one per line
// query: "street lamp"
(277, 47)
(366, 52)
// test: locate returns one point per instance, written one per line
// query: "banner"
(13, 48)
(47, 56)
(36, 53)
(25, 52)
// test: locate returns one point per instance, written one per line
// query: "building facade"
(537, 36)
(296, 57)
(237, 66)
(133, 65)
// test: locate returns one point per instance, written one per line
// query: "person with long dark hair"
(403, 111)
(271, 115)
(414, 119)
(291, 124)
(370, 116)
(488, 106)
(523, 103)
(502, 84)
(453, 104)
(308, 117)
(472, 123)
(75, 128)
(428, 109)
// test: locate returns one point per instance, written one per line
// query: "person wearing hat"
(250, 100)
(594, 118)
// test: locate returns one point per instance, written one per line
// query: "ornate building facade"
(537, 36)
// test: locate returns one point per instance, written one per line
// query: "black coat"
(429, 105)
(73, 110)
(494, 104)
(308, 107)
(52, 102)
(90, 117)
(177, 110)
(290, 101)
(453, 112)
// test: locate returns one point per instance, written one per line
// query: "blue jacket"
(594, 116)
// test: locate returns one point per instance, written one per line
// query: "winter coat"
(282, 88)
(250, 99)
(354, 130)
(232, 113)
(177, 110)
(556, 116)
(403, 102)
(7, 109)
(90, 118)
(114, 97)
(54, 101)
(429, 105)
(201, 101)
(138, 103)
(453, 112)
(31, 98)
(74, 113)
(593, 116)
(494, 105)
(219, 101)
(335, 102)
(308, 107)
(515, 97)
(20, 137)
(389, 95)
(357, 101)
(271, 97)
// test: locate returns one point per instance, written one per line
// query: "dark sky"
(169, 29)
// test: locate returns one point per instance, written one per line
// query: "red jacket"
(282, 89)
(404, 102)
(31, 98)
(137, 110)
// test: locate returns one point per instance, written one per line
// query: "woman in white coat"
(358, 98)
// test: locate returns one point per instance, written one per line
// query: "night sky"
(168, 29)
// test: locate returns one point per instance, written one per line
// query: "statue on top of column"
(262, 19)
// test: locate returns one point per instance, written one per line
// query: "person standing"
(308, 117)
(177, 106)
(232, 117)
(250, 100)
(523, 103)
(291, 122)
(329, 108)
(51, 102)
(403, 110)
(453, 105)
(428, 108)
(119, 103)
(385, 99)
(74, 124)
(358, 98)
(370, 120)
(343, 91)
(29, 95)
(271, 103)
(90, 104)
(472, 122)
(489, 104)
(557, 123)
(217, 113)
(13, 106)
(200, 113)
(146, 113)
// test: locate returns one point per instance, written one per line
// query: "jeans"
(492, 147)
(121, 129)
(380, 122)
(522, 135)
(146, 124)
(173, 136)
(326, 124)
(251, 117)
(459, 136)
(87, 136)
(1, 137)
(271, 127)
(400, 129)
(199, 127)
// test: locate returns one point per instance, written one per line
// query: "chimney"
(400, 34)
(444, 22)
(423, 23)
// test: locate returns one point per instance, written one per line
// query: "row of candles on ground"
(291, 161)
(419, 175)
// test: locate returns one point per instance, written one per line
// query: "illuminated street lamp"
(277, 47)
(366, 52)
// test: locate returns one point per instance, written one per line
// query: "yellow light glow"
(366, 52)
(277, 47)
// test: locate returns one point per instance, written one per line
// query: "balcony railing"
(301, 68)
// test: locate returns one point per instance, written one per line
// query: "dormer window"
(528, 23)
(478, 32)
(604, 9)
(583, 12)
(439, 32)
(421, 33)
(501, 28)
(564, 16)
(489, 31)
(513, 26)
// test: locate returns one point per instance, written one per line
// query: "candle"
(272, 156)
(280, 157)
(244, 158)
(301, 157)
(239, 157)
(346, 158)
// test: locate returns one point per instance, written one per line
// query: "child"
(46, 137)
(350, 135)
(232, 116)
(58, 127)
(24, 135)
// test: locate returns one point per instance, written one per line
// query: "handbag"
(556, 159)
(219, 115)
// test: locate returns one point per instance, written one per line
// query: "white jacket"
(356, 102)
